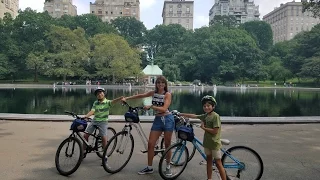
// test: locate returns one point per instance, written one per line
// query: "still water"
(231, 101)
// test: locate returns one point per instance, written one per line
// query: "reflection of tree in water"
(286, 102)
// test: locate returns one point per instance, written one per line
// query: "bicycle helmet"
(99, 89)
(208, 98)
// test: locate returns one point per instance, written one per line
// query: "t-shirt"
(101, 110)
(211, 141)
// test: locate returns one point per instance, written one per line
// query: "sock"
(150, 167)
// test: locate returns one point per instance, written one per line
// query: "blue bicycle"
(236, 164)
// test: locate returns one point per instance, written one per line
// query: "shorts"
(216, 154)
(103, 127)
(163, 123)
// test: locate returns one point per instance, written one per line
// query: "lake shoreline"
(47, 86)
(149, 119)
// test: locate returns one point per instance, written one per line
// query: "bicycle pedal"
(203, 163)
(144, 151)
(159, 150)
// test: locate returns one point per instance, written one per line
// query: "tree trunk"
(64, 78)
(35, 75)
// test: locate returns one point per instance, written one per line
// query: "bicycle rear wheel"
(72, 143)
(112, 162)
(179, 152)
(98, 141)
(240, 163)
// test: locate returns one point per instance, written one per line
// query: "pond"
(248, 102)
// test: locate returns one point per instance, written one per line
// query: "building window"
(171, 10)
(92, 12)
(99, 12)
(111, 12)
(106, 12)
(187, 26)
(188, 10)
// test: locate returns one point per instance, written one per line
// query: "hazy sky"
(151, 10)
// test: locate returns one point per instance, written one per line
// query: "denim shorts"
(163, 123)
(103, 127)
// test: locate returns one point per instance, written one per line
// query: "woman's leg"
(153, 137)
(167, 143)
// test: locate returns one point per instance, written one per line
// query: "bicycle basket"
(131, 117)
(186, 133)
(79, 125)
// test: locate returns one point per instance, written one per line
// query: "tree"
(35, 61)
(131, 29)
(261, 32)
(164, 40)
(311, 68)
(312, 6)
(4, 67)
(227, 21)
(68, 50)
(91, 24)
(172, 72)
(113, 57)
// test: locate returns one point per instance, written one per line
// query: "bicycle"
(132, 120)
(233, 163)
(79, 125)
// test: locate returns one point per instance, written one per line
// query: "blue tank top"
(158, 100)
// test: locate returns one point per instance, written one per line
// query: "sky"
(151, 10)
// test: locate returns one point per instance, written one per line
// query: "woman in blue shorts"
(163, 122)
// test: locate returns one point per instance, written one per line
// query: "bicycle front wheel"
(98, 144)
(72, 149)
(115, 158)
(179, 159)
(190, 146)
(241, 162)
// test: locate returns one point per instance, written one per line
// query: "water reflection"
(240, 101)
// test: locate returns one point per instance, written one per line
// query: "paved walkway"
(119, 118)
(27, 151)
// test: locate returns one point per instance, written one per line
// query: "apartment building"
(57, 8)
(243, 10)
(288, 20)
(9, 6)
(178, 12)
(112, 9)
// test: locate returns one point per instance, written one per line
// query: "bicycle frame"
(138, 127)
(197, 143)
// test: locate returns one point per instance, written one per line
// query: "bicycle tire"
(98, 142)
(57, 162)
(230, 150)
(162, 146)
(115, 137)
(163, 158)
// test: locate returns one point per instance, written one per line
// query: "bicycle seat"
(225, 142)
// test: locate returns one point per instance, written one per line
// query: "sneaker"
(168, 171)
(145, 171)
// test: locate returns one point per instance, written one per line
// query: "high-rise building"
(9, 6)
(178, 12)
(242, 10)
(288, 20)
(57, 8)
(111, 9)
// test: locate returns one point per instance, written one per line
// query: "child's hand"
(202, 125)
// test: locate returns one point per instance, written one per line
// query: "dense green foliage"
(84, 47)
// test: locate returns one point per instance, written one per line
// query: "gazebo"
(151, 73)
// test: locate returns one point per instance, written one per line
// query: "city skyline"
(151, 10)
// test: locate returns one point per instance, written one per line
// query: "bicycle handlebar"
(132, 108)
(76, 116)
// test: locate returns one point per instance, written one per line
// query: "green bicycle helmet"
(208, 98)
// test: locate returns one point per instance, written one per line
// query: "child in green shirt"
(211, 125)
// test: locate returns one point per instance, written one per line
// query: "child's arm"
(215, 126)
(189, 115)
(90, 113)
(116, 100)
(147, 94)
(210, 130)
